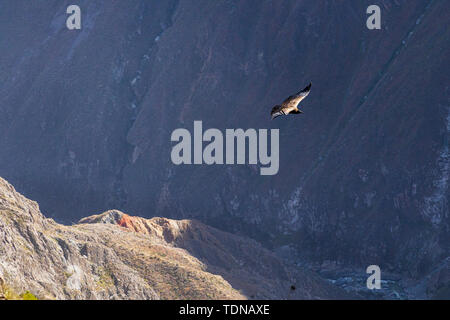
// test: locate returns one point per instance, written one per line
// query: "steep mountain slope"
(87, 117)
(115, 256)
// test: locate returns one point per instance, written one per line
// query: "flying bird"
(290, 105)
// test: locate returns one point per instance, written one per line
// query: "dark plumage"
(290, 105)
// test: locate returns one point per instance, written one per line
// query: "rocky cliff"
(116, 256)
(86, 118)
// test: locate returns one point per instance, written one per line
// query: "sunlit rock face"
(117, 256)
(87, 117)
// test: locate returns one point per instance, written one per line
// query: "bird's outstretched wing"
(276, 112)
(293, 101)
(289, 106)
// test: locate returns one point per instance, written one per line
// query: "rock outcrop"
(86, 118)
(116, 256)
